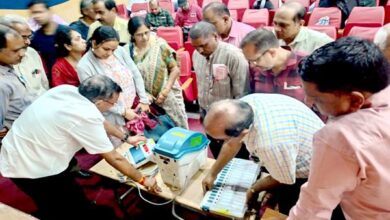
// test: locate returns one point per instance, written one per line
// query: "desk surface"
(9, 213)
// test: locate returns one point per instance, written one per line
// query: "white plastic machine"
(179, 154)
(141, 154)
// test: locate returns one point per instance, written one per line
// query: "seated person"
(187, 15)
(158, 17)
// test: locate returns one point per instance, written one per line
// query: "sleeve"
(199, 14)
(178, 20)
(168, 55)
(331, 174)
(147, 20)
(170, 20)
(44, 80)
(82, 71)
(56, 75)
(239, 72)
(4, 102)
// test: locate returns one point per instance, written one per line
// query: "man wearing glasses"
(278, 65)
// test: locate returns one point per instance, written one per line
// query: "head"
(288, 20)
(382, 40)
(230, 118)
(40, 12)
(260, 48)
(204, 38)
(68, 40)
(340, 76)
(138, 30)
(12, 48)
(19, 24)
(105, 11)
(154, 7)
(101, 91)
(104, 42)
(86, 9)
(184, 4)
(218, 14)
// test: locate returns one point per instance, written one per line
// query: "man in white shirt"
(38, 148)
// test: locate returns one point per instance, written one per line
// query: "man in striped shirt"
(276, 129)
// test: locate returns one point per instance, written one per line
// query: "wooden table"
(9, 213)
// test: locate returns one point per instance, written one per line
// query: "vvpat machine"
(179, 154)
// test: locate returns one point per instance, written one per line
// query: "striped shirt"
(281, 135)
(234, 85)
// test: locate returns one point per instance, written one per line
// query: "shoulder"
(313, 34)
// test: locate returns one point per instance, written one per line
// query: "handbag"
(164, 123)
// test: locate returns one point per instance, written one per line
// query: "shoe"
(83, 174)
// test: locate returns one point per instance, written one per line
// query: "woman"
(157, 64)
(105, 57)
(70, 48)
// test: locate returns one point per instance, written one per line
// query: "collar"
(301, 36)
(234, 30)
(215, 51)
(5, 69)
(380, 99)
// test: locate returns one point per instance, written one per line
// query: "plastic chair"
(173, 36)
(365, 17)
(331, 31)
(240, 6)
(333, 13)
(387, 12)
(364, 32)
(167, 5)
(256, 17)
(122, 11)
(187, 78)
(136, 7)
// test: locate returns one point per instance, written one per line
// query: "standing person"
(158, 17)
(276, 129)
(348, 80)
(70, 48)
(187, 15)
(37, 159)
(88, 16)
(157, 64)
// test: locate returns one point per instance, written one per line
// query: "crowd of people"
(313, 112)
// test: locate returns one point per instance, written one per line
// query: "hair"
(381, 36)
(300, 11)
(202, 29)
(109, 4)
(154, 1)
(98, 87)
(37, 2)
(262, 39)
(243, 120)
(348, 64)
(11, 19)
(103, 34)
(84, 4)
(4, 31)
(63, 36)
(218, 8)
(133, 25)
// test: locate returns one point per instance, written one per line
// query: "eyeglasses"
(112, 103)
(258, 59)
(27, 37)
(139, 35)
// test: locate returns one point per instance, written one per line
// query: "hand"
(162, 96)
(249, 195)
(266, 199)
(3, 132)
(151, 185)
(134, 140)
(130, 114)
(208, 182)
(142, 107)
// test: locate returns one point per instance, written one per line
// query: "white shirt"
(46, 136)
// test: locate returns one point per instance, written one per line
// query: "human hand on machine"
(208, 182)
(135, 140)
(150, 183)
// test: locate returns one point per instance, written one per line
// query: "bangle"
(142, 180)
(252, 190)
(124, 139)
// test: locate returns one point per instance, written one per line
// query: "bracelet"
(142, 180)
(124, 139)
(252, 190)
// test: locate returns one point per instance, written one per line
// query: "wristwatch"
(124, 139)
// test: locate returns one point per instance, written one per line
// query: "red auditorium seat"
(365, 17)
(240, 6)
(167, 5)
(122, 11)
(187, 78)
(256, 17)
(233, 14)
(364, 32)
(173, 36)
(333, 13)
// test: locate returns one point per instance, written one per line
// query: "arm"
(178, 20)
(170, 20)
(114, 131)
(56, 76)
(4, 102)
(173, 75)
(239, 72)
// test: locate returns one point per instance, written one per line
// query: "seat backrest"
(275, 3)
(365, 17)
(184, 62)
(206, 2)
(256, 17)
(136, 7)
(122, 11)
(364, 32)
(238, 4)
(333, 13)
(173, 35)
(305, 3)
(331, 31)
(233, 14)
(167, 5)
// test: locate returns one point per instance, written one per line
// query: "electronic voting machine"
(228, 195)
(179, 154)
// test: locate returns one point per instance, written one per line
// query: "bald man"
(288, 27)
(276, 129)
(382, 39)
(158, 17)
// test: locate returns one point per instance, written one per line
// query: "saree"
(64, 73)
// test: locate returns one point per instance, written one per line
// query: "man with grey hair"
(382, 39)
(158, 17)
(221, 70)
(278, 65)
(37, 151)
(31, 67)
(88, 16)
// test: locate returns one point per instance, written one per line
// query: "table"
(9, 213)
(190, 198)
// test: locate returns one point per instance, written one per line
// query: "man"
(43, 40)
(88, 16)
(230, 31)
(347, 80)
(277, 130)
(38, 149)
(106, 14)
(221, 69)
(288, 27)
(14, 97)
(158, 17)
(278, 65)
(382, 39)
(30, 68)
(187, 15)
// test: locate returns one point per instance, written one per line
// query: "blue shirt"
(80, 27)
